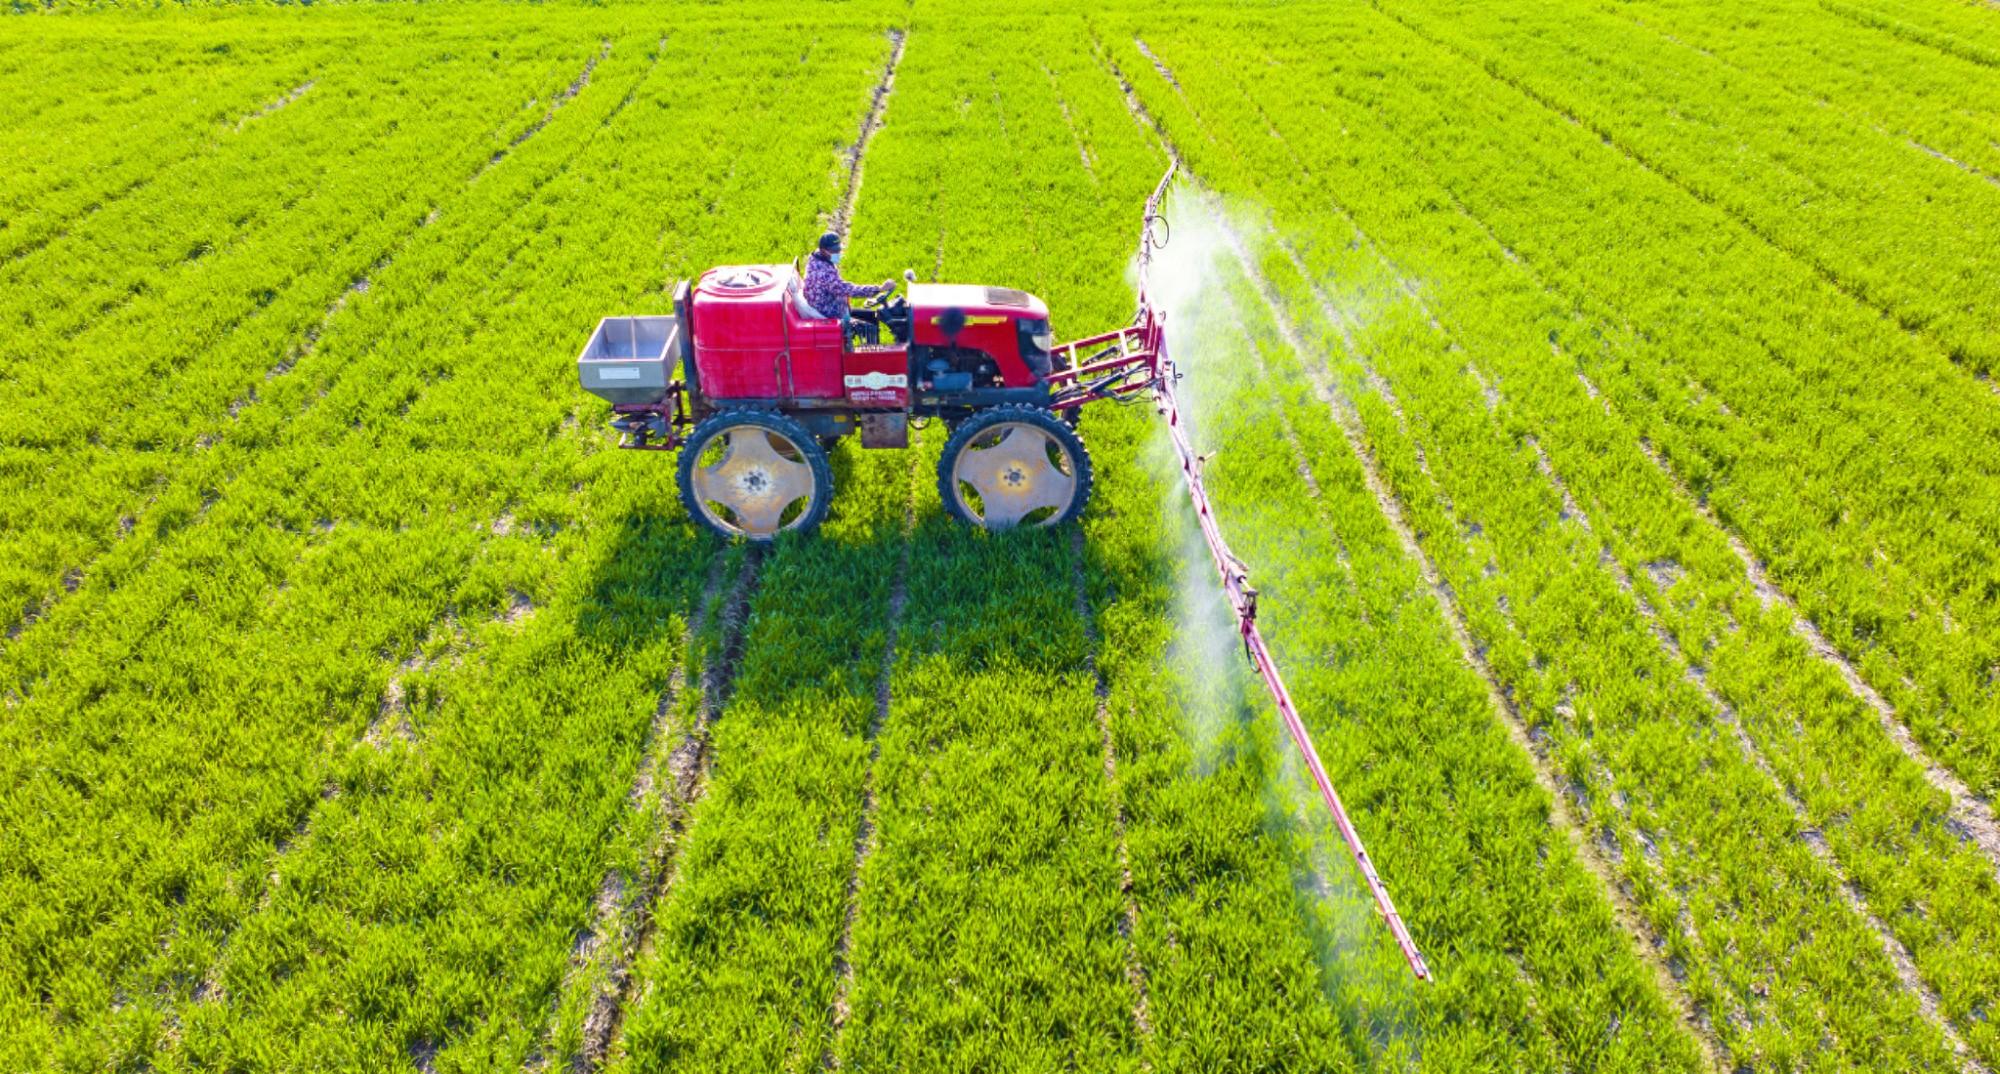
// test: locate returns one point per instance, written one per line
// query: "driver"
(826, 292)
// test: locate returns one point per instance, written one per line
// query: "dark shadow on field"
(982, 608)
(655, 568)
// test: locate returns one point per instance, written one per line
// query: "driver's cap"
(830, 242)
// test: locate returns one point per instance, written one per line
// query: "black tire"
(788, 444)
(985, 431)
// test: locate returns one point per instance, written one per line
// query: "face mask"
(835, 258)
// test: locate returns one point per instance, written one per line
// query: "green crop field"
(1600, 394)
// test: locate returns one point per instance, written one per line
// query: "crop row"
(404, 484)
(111, 416)
(570, 803)
(1755, 381)
(1942, 103)
(88, 123)
(1816, 184)
(268, 567)
(982, 760)
(1238, 899)
(1524, 558)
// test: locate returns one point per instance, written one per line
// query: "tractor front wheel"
(1014, 466)
(754, 474)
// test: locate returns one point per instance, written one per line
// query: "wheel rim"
(748, 480)
(1018, 472)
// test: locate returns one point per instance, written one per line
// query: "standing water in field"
(1198, 280)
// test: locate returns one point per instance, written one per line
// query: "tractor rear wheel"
(1014, 466)
(754, 474)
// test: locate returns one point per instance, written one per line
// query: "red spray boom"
(1135, 359)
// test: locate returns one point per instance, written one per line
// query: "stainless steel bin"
(630, 359)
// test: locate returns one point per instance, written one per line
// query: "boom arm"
(1121, 364)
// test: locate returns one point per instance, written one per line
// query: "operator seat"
(797, 293)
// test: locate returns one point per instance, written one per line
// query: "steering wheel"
(876, 302)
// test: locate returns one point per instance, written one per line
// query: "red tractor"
(766, 385)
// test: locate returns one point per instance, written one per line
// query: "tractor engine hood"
(933, 300)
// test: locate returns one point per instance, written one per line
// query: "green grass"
(338, 638)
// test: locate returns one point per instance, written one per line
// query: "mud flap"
(885, 430)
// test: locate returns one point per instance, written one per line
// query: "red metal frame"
(1151, 357)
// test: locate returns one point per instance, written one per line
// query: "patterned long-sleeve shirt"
(826, 291)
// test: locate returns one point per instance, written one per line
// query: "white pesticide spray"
(1192, 280)
(1205, 641)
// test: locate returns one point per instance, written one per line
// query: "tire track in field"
(1898, 954)
(839, 1010)
(691, 760)
(1571, 510)
(1128, 924)
(1936, 42)
(305, 348)
(1903, 136)
(281, 101)
(1971, 811)
(575, 87)
(512, 615)
(1069, 121)
(686, 777)
(391, 722)
(133, 186)
(1647, 943)
(604, 950)
(1856, 292)
(871, 124)
(1963, 811)
(257, 228)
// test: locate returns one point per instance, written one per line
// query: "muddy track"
(1853, 291)
(1128, 923)
(575, 87)
(677, 781)
(840, 1009)
(597, 954)
(870, 125)
(1899, 956)
(306, 347)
